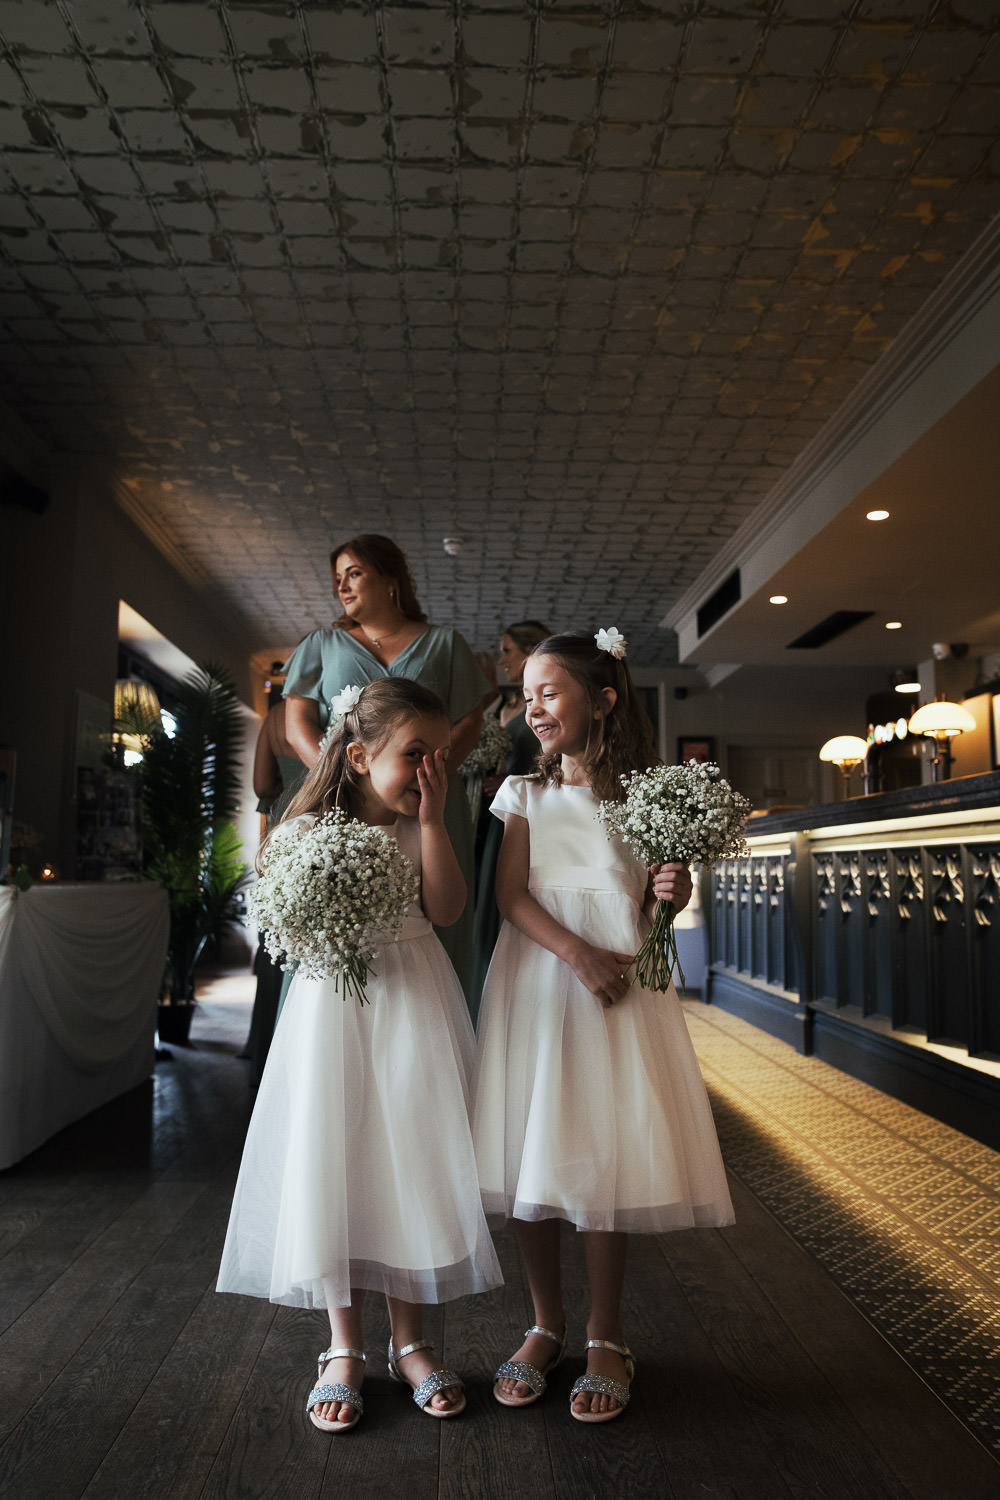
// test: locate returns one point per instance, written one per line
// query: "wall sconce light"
(845, 751)
(906, 681)
(941, 722)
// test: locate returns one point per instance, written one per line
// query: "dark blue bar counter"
(867, 932)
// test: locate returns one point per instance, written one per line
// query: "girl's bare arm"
(442, 885)
(464, 737)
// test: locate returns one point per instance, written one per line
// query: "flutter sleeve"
(304, 668)
(511, 798)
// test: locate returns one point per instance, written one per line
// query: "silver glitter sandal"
(437, 1380)
(345, 1394)
(604, 1385)
(519, 1369)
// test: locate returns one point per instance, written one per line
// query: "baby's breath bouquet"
(675, 815)
(329, 890)
(483, 759)
(493, 747)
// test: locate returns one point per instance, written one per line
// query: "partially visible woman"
(277, 771)
(383, 632)
(515, 644)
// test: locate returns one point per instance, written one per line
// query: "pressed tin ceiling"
(577, 282)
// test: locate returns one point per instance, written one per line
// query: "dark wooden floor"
(123, 1373)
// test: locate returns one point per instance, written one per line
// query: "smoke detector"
(453, 545)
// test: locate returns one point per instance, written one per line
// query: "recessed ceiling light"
(893, 624)
(907, 687)
(877, 515)
(778, 599)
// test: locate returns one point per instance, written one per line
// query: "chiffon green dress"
(486, 927)
(328, 661)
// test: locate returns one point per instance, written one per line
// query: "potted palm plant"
(190, 794)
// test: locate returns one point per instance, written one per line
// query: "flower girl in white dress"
(358, 1170)
(590, 1105)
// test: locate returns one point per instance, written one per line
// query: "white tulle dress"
(594, 1115)
(358, 1169)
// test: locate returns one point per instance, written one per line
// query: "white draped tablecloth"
(80, 971)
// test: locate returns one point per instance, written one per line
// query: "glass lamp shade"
(844, 750)
(941, 720)
(137, 712)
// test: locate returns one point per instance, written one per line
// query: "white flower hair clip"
(340, 707)
(345, 701)
(611, 641)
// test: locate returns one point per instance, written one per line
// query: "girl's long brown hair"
(382, 554)
(333, 781)
(621, 740)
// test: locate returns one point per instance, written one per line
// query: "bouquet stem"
(352, 978)
(474, 792)
(657, 959)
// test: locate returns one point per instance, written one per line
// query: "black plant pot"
(173, 1021)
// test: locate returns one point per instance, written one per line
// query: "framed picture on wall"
(699, 748)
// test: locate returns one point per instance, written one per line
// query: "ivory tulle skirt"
(594, 1115)
(358, 1169)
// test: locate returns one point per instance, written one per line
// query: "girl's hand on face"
(672, 883)
(432, 779)
(604, 973)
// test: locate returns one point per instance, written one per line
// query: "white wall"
(768, 708)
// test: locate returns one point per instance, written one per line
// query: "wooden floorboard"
(902, 1418)
(795, 1415)
(122, 1371)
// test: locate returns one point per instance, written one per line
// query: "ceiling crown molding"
(128, 501)
(151, 528)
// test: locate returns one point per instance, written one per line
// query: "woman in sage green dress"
(515, 643)
(383, 632)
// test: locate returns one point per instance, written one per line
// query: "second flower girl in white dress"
(358, 1171)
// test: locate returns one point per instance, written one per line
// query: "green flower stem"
(657, 959)
(352, 978)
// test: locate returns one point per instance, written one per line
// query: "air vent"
(719, 603)
(828, 630)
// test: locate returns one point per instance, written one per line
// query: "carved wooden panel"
(759, 916)
(851, 938)
(983, 908)
(908, 934)
(744, 937)
(776, 970)
(750, 929)
(910, 1003)
(879, 981)
(949, 1016)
